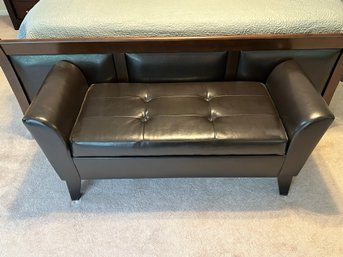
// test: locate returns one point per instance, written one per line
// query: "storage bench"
(193, 129)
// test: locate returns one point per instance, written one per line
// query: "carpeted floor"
(165, 217)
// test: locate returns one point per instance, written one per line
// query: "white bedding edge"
(136, 18)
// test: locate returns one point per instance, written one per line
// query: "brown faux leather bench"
(193, 129)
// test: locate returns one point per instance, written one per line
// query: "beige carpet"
(165, 217)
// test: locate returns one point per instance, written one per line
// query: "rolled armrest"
(304, 113)
(59, 100)
(53, 112)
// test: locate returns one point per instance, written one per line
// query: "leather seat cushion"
(207, 118)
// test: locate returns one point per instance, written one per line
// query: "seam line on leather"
(172, 96)
(143, 129)
(181, 115)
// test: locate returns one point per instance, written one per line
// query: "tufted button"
(145, 117)
(146, 98)
(208, 97)
(212, 116)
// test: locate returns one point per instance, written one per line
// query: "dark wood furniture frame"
(120, 46)
(17, 9)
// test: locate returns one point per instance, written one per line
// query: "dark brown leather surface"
(317, 64)
(33, 69)
(178, 166)
(176, 67)
(220, 118)
(195, 129)
(304, 113)
(52, 114)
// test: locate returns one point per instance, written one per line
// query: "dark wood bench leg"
(74, 187)
(284, 184)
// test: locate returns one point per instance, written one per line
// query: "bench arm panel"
(304, 113)
(53, 112)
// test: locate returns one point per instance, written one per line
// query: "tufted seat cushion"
(208, 118)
